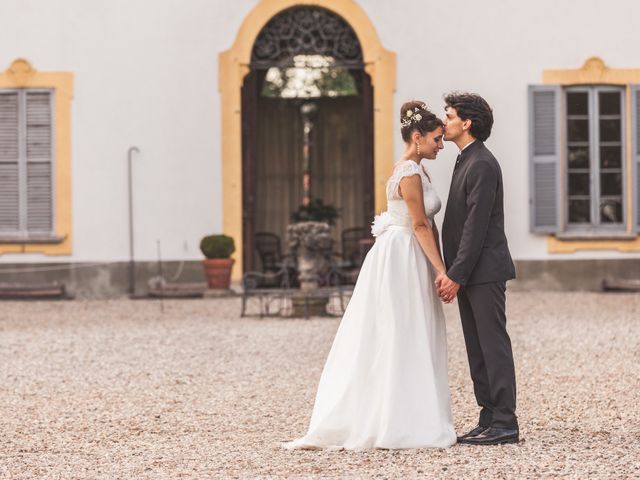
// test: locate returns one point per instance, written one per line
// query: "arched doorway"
(307, 123)
(234, 65)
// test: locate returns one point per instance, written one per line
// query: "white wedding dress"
(385, 383)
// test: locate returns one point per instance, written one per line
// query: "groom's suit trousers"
(482, 311)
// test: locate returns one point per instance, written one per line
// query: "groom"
(478, 265)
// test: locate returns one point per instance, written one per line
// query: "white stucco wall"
(497, 48)
(146, 75)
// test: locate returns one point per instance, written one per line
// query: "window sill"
(579, 236)
(572, 243)
(36, 239)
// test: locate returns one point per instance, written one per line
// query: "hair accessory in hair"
(413, 116)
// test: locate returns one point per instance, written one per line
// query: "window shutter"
(544, 158)
(635, 133)
(9, 163)
(38, 156)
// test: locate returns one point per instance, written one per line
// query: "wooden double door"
(340, 164)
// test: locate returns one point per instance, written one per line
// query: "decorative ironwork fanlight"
(305, 31)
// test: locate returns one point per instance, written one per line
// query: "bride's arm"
(411, 188)
(436, 235)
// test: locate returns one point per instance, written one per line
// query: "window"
(584, 160)
(595, 158)
(26, 164)
(35, 160)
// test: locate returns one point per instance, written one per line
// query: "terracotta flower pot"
(218, 272)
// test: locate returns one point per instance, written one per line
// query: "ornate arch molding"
(593, 71)
(234, 64)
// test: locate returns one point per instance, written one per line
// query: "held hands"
(447, 288)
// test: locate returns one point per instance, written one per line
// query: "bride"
(385, 384)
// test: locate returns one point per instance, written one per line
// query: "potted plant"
(218, 262)
(316, 211)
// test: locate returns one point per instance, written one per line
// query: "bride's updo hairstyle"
(415, 115)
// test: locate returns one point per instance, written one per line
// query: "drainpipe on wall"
(132, 266)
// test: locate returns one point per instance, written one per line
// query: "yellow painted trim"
(21, 75)
(380, 64)
(555, 245)
(595, 72)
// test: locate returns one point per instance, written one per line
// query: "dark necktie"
(457, 161)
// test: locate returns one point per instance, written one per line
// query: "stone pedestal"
(311, 244)
(303, 306)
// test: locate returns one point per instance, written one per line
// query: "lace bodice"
(397, 212)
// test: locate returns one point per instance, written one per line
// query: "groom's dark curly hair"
(470, 106)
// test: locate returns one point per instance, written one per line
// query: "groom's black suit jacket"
(473, 239)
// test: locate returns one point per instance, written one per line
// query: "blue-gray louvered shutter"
(544, 158)
(635, 133)
(39, 170)
(9, 163)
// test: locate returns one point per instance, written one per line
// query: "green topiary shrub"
(217, 246)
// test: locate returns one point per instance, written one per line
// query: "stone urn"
(311, 244)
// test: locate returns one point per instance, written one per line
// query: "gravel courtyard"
(117, 389)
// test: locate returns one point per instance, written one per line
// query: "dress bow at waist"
(384, 221)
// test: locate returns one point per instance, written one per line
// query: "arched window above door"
(306, 30)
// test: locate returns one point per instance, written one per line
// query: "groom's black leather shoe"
(476, 431)
(493, 436)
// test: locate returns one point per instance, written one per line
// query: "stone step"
(32, 291)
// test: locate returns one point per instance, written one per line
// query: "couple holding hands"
(385, 381)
